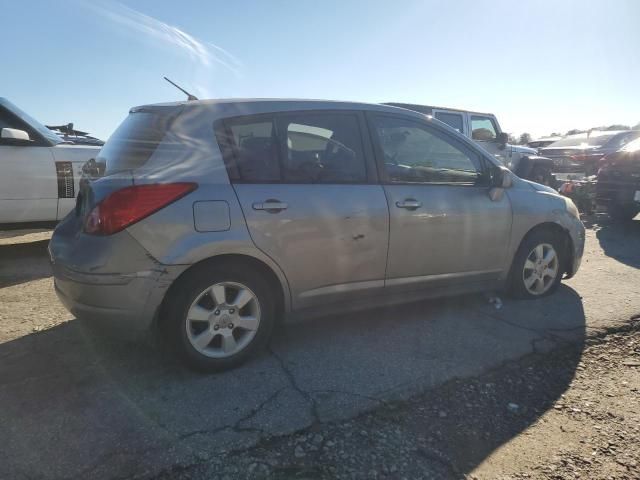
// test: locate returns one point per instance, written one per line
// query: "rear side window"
(135, 140)
(256, 149)
(322, 148)
(296, 148)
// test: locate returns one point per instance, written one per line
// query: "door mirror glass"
(13, 135)
(503, 138)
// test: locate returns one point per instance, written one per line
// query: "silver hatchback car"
(212, 219)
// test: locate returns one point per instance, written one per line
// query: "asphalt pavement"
(76, 404)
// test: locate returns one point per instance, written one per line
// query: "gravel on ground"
(592, 431)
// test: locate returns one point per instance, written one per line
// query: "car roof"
(248, 106)
(424, 108)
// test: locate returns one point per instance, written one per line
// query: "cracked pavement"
(76, 404)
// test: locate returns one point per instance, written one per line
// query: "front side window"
(483, 129)
(414, 153)
(454, 120)
(298, 148)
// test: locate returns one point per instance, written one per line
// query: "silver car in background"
(212, 219)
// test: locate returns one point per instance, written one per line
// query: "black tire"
(542, 175)
(516, 284)
(620, 213)
(180, 297)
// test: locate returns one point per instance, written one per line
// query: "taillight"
(129, 205)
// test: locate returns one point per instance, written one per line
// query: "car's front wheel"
(217, 318)
(538, 266)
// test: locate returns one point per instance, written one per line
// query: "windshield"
(633, 146)
(32, 122)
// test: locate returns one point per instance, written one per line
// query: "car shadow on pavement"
(621, 241)
(23, 262)
(76, 404)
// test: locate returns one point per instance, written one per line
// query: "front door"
(304, 181)
(444, 228)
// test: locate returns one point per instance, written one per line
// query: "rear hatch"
(130, 147)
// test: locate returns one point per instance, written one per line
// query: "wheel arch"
(562, 233)
(275, 279)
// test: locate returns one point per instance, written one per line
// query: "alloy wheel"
(541, 269)
(223, 319)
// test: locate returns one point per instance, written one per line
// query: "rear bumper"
(126, 303)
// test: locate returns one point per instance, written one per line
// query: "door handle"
(409, 204)
(271, 206)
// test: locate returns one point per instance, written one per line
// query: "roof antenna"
(189, 96)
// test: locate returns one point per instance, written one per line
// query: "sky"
(540, 66)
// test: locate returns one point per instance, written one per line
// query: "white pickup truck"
(39, 171)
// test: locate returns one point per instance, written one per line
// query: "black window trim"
(224, 136)
(480, 162)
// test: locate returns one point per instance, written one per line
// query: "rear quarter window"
(135, 140)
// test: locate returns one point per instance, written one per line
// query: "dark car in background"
(581, 153)
(618, 186)
(539, 143)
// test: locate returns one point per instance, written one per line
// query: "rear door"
(444, 228)
(306, 184)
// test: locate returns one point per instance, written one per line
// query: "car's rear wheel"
(219, 317)
(538, 266)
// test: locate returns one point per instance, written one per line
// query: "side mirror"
(501, 177)
(13, 135)
(502, 138)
